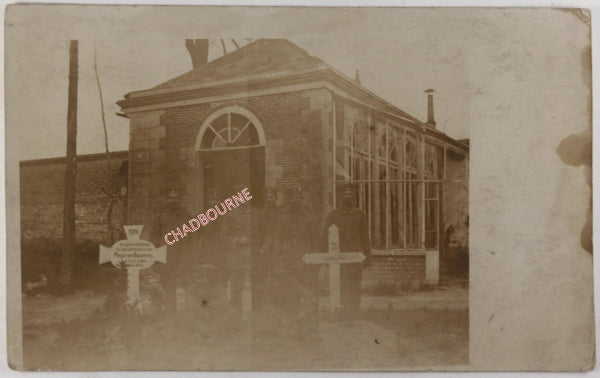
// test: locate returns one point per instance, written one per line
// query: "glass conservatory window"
(398, 178)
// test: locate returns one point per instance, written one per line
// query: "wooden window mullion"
(421, 185)
(334, 151)
(387, 187)
(404, 191)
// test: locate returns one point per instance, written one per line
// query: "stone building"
(270, 114)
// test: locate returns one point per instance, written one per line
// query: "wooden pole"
(334, 152)
(70, 171)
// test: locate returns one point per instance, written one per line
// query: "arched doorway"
(230, 144)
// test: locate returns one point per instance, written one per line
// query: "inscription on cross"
(133, 254)
(334, 258)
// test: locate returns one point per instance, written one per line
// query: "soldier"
(297, 282)
(354, 237)
(272, 237)
(178, 270)
(243, 235)
(213, 258)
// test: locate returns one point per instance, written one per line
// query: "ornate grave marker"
(133, 254)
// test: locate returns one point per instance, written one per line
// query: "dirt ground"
(83, 332)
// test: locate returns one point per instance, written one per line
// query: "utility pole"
(70, 172)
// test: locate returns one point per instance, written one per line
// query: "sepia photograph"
(294, 197)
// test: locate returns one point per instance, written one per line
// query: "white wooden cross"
(133, 254)
(334, 258)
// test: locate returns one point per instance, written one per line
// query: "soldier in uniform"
(297, 282)
(354, 237)
(243, 236)
(212, 267)
(178, 270)
(272, 238)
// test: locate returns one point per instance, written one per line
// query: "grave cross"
(133, 254)
(334, 258)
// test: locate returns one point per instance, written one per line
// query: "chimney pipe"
(357, 77)
(198, 49)
(430, 117)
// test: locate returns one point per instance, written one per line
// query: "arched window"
(230, 127)
(431, 160)
(411, 154)
(360, 137)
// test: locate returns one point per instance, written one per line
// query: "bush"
(40, 258)
(40, 266)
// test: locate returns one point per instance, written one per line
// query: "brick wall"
(163, 150)
(392, 274)
(42, 197)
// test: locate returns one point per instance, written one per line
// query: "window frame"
(414, 178)
(232, 109)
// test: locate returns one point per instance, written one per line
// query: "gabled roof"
(262, 56)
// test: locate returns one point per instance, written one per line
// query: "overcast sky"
(399, 53)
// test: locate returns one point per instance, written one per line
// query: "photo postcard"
(298, 189)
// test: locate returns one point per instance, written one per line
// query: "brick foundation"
(392, 274)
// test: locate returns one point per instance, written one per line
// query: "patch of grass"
(116, 338)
